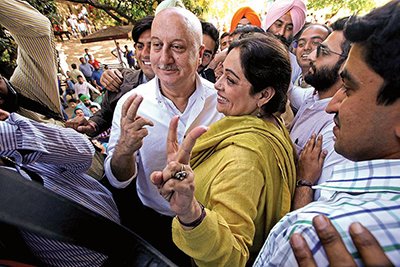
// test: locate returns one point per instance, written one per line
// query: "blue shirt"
(367, 192)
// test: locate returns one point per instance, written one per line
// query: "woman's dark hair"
(265, 63)
(378, 34)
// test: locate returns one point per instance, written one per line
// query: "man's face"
(142, 53)
(324, 67)
(82, 60)
(80, 80)
(243, 22)
(364, 130)
(225, 42)
(308, 42)
(175, 54)
(86, 102)
(283, 29)
(208, 54)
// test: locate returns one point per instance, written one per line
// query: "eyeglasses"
(326, 51)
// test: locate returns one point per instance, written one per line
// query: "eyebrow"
(233, 73)
(345, 75)
(312, 38)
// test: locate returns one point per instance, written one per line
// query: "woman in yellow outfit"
(243, 165)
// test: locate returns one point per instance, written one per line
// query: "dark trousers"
(152, 226)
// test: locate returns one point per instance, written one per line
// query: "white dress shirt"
(200, 110)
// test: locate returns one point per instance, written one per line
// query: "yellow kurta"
(245, 177)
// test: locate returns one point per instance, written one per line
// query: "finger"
(127, 104)
(301, 251)
(4, 114)
(157, 178)
(172, 139)
(322, 157)
(318, 144)
(311, 142)
(370, 250)
(88, 129)
(332, 242)
(133, 108)
(188, 144)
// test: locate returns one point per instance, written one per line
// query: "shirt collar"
(381, 175)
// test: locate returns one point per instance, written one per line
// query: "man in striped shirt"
(35, 77)
(367, 131)
(60, 158)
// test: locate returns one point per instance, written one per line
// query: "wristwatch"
(302, 182)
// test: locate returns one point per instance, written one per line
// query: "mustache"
(167, 67)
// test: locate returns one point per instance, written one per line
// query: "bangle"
(302, 182)
(197, 221)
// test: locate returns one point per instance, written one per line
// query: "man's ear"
(201, 52)
(266, 95)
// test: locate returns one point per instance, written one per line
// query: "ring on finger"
(180, 175)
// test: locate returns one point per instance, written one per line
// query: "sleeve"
(103, 117)
(29, 141)
(35, 75)
(228, 230)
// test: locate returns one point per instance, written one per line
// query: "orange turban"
(249, 14)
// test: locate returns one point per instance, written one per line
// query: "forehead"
(334, 41)
(145, 35)
(170, 25)
(359, 71)
(314, 31)
(286, 19)
(233, 62)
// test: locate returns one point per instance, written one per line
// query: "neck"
(179, 95)
(331, 91)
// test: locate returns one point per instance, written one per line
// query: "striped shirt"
(61, 156)
(366, 192)
(35, 76)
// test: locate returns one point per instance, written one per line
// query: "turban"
(84, 97)
(249, 14)
(296, 8)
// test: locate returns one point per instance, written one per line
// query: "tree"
(128, 11)
(354, 6)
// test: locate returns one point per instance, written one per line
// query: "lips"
(221, 99)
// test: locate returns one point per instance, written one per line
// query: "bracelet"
(302, 182)
(197, 221)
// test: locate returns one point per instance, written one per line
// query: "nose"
(336, 101)
(308, 46)
(313, 55)
(218, 84)
(146, 49)
(166, 55)
(281, 31)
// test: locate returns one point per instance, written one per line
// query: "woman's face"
(233, 88)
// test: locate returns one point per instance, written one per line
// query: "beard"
(286, 42)
(323, 78)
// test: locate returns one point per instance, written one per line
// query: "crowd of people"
(274, 144)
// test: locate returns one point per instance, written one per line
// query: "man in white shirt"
(137, 145)
(83, 88)
(311, 118)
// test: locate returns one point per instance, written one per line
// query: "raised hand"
(179, 192)
(132, 126)
(131, 139)
(111, 80)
